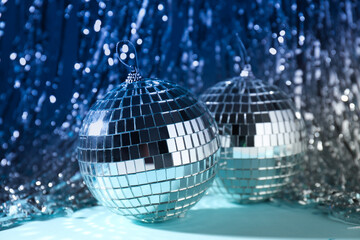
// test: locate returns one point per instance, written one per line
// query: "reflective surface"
(148, 150)
(261, 137)
(213, 218)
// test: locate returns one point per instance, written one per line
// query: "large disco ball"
(148, 150)
(262, 138)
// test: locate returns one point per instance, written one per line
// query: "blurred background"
(57, 57)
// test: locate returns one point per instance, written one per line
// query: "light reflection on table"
(212, 218)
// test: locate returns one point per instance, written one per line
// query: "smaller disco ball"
(262, 138)
(148, 150)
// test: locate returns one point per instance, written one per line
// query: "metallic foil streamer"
(148, 150)
(262, 137)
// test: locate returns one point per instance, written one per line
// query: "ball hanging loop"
(246, 71)
(123, 51)
(245, 61)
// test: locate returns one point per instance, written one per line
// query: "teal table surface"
(212, 218)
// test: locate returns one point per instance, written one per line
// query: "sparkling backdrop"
(58, 57)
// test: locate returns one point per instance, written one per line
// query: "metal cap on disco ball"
(262, 137)
(148, 149)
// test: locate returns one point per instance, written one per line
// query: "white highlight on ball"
(95, 128)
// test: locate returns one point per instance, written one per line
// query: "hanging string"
(245, 66)
(134, 74)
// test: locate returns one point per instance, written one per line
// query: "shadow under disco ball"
(148, 149)
(261, 134)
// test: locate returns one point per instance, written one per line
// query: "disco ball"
(148, 150)
(262, 138)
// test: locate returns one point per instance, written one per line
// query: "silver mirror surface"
(262, 138)
(148, 150)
